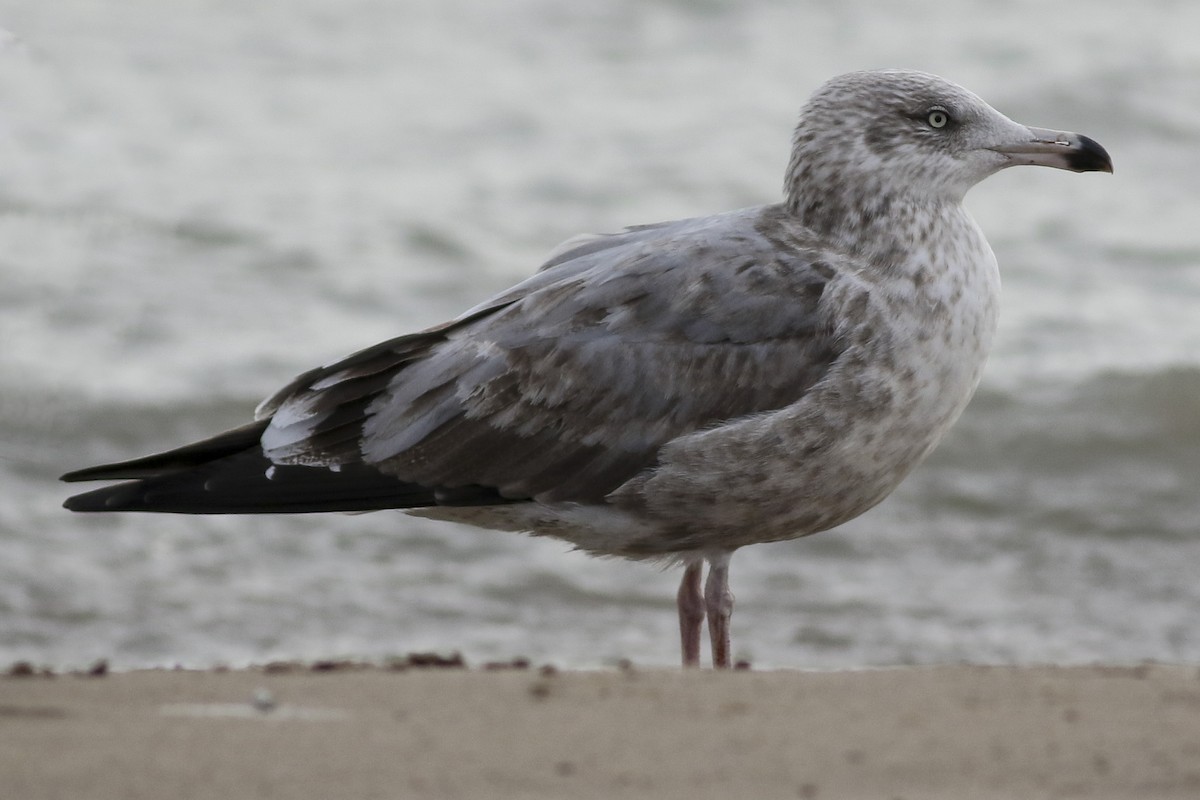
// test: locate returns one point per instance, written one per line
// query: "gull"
(673, 391)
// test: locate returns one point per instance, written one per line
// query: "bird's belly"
(796, 476)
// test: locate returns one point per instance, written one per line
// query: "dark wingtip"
(181, 459)
(108, 498)
(86, 474)
(74, 503)
(1090, 156)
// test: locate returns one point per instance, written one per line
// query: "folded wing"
(560, 389)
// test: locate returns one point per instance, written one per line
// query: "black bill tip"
(1088, 155)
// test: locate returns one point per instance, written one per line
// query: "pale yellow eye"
(937, 118)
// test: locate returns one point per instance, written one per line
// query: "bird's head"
(896, 132)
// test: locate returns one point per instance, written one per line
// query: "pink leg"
(691, 612)
(718, 601)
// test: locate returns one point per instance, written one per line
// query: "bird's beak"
(1058, 149)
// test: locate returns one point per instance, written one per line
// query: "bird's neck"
(872, 224)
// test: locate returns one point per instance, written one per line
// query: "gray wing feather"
(589, 243)
(567, 385)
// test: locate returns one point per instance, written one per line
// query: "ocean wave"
(1116, 455)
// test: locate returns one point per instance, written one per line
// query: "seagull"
(673, 391)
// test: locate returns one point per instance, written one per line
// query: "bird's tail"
(228, 474)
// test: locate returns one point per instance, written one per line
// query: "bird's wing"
(567, 385)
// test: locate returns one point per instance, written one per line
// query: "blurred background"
(200, 199)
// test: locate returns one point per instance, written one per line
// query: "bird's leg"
(691, 612)
(718, 602)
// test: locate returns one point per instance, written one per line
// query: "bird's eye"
(937, 118)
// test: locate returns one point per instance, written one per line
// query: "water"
(199, 200)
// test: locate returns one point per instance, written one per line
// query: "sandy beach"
(357, 732)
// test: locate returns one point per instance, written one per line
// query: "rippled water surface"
(199, 200)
